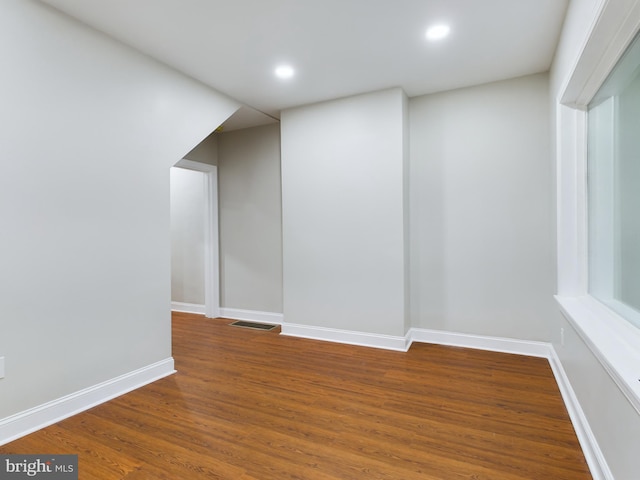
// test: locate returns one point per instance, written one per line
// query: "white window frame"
(612, 339)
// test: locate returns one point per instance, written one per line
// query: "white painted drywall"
(612, 419)
(187, 236)
(250, 219)
(206, 151)
(88, 132)
(343, 199)
(482, 216)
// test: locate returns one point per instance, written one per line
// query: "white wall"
(481, 212)
(343, 199)
(187, 236)
(250, 219)
(614, 422)
(206, 151)
(88, 132)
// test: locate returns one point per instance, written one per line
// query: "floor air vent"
(253, 325)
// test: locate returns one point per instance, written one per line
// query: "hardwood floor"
(254, 405)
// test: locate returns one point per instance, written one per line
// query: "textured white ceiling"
(338, 47)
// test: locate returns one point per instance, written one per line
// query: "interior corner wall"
(481, 210)
(343, 201)
(250, 208)
(88, 132)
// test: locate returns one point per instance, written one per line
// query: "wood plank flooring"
(254, 405)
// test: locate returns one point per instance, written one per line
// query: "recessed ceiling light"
(284, 71)
(437, 32)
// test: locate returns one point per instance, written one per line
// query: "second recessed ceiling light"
(284, 72)
(437, 32)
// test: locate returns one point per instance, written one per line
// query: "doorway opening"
(194, 238)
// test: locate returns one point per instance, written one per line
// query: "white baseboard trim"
(590, 448)
(388, 342)
(480, 342)
(24, 423)
(187, 307)
(362, 339)
(251, 315)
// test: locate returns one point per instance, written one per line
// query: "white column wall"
(343, 228)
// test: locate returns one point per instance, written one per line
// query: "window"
(614, 188)
(587, 286)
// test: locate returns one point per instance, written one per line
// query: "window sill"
(614, 341)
